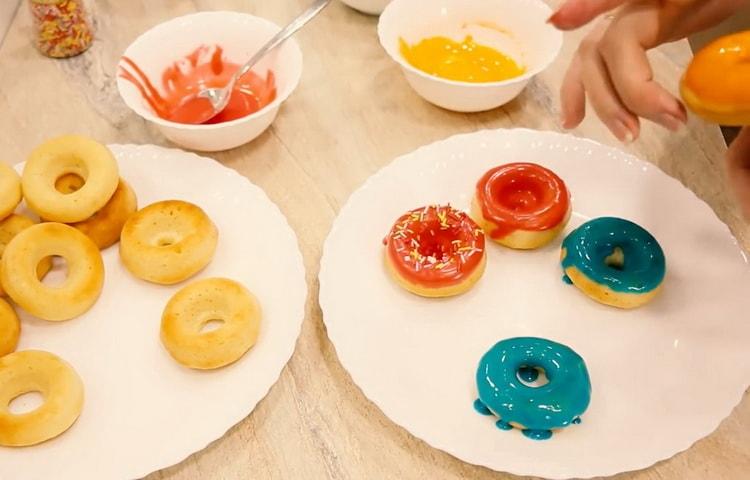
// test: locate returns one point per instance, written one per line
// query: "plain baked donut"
(10, 328)
(10, 190)
(35, 371)
(168, 242)
(105, 226)
(199, 303)
(85, 278)
(9, 228)
(61, 156)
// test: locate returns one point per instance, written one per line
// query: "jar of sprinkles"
(61, 27)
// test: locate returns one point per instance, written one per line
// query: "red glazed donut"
(521, 205)
(435, 251)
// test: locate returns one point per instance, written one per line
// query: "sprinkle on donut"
(435, 251)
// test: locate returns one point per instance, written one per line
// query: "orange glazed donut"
(435, 251)
(521, 205)
(716, 84)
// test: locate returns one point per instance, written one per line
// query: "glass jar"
(61, 27)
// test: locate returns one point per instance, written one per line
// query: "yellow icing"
(465, 61)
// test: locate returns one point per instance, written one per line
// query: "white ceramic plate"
(663, 376)
(143, 411)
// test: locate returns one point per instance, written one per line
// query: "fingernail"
(673, 108)
(554, 17)
(670, 121)
(622, 132)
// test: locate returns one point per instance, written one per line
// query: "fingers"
(632, 78)
(576, 13)
(573, 96)
(738, 170)
(603, 96)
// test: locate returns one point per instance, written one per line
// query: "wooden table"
(352, 114)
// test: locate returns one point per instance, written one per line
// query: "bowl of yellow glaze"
(469, 55)
(370, 7)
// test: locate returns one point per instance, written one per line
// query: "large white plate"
(663, 376)
(143, 411)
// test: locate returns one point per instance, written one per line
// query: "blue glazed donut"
(537, 411)
(614, 261)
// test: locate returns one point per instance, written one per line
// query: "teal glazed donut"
(535, 410)
(614, 261)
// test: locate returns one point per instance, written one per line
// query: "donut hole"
(57, 275)
(211, 324)
(69, 183)
(616, 259)
(532, 376)
(436, 244)
(26, 402)
(519, 195)
(166, 240)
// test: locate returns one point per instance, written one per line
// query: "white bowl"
(371, 7)
(241, 35)
(518, 28)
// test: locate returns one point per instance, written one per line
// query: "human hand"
(611, 67)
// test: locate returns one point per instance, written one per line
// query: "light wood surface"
(352, 114)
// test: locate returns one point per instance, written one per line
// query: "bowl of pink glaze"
(170, 52)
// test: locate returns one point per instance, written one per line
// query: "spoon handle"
(283, 34)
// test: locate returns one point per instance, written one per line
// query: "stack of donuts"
(439, 251)
(72, 183)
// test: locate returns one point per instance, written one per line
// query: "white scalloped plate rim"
(327, 300)
(297, 291)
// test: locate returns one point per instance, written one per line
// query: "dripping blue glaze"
(588, 247)
(538, 410)
(538, 434)
(567, 280)
(503, 425)
(481, 408)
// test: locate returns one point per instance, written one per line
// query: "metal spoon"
(219, 97)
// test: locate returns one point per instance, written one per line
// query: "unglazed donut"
(9, 228)
(168, 242)
(104, 226)
(435, 251)
(715, 84)
(70, 154)
(35, 371)
(85, 278)
(614, 261)
(521, 205)
(10, 328)
(10, 190)
(199, 303)
(540, 410)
